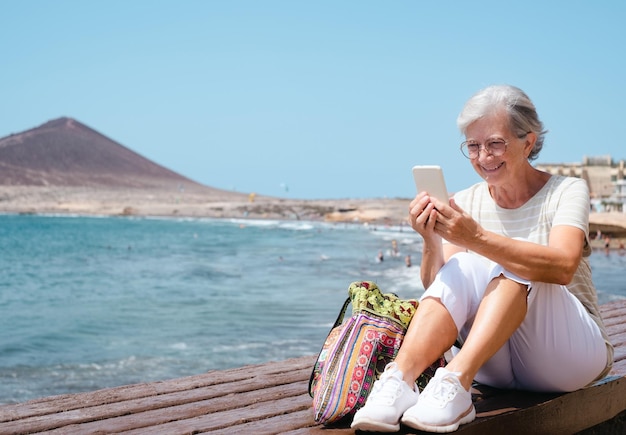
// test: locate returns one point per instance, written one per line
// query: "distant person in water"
(394, 248)
(506, 273)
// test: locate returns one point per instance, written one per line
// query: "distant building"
(606, 180)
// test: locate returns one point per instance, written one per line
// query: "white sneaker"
(442, 406)
(389, 398)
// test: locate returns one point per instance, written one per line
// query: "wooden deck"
(272, 398)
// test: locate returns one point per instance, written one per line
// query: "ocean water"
(88, 303)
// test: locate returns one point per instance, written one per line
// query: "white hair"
(521, 111)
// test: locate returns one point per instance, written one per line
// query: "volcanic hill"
(64, 152)
(65, 167)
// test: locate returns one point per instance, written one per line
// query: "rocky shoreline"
(195, 201)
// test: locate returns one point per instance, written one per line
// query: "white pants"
(558, 347)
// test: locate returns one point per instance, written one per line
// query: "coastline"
(196, 202)
(199, 201)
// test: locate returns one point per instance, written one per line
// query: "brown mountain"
(64, 152)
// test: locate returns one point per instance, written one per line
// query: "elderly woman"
(505, 270)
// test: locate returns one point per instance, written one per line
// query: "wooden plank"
(567, 413)
(249, 389)
(219, 412)
(230, 420)
(222, 379)
(614, 322)
(619, 368)
(616, 305)
(617, 310)
(317, 429)
(617, 337)
(288, 423)
(616, 334)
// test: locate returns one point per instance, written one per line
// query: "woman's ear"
(529, 144)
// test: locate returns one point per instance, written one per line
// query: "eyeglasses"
(494, 147)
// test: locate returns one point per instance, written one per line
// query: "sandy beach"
(195, 201)
(199, 201)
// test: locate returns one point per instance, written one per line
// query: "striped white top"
(562, 201)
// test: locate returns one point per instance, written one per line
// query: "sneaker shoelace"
(386, 390)
(439, 392)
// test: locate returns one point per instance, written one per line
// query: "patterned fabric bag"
(357, 350)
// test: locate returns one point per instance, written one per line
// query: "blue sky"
(312, 99)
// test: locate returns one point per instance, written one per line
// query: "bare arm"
(422, 215)
(555, 263)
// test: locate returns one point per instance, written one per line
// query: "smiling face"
(508, 167)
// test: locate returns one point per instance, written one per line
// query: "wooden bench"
(273, 398)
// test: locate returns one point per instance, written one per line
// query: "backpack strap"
(338, 322)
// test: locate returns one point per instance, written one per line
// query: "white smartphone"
(430, 179)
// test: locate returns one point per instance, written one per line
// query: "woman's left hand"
(456, 226)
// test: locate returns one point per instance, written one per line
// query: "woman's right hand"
(422, 216)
